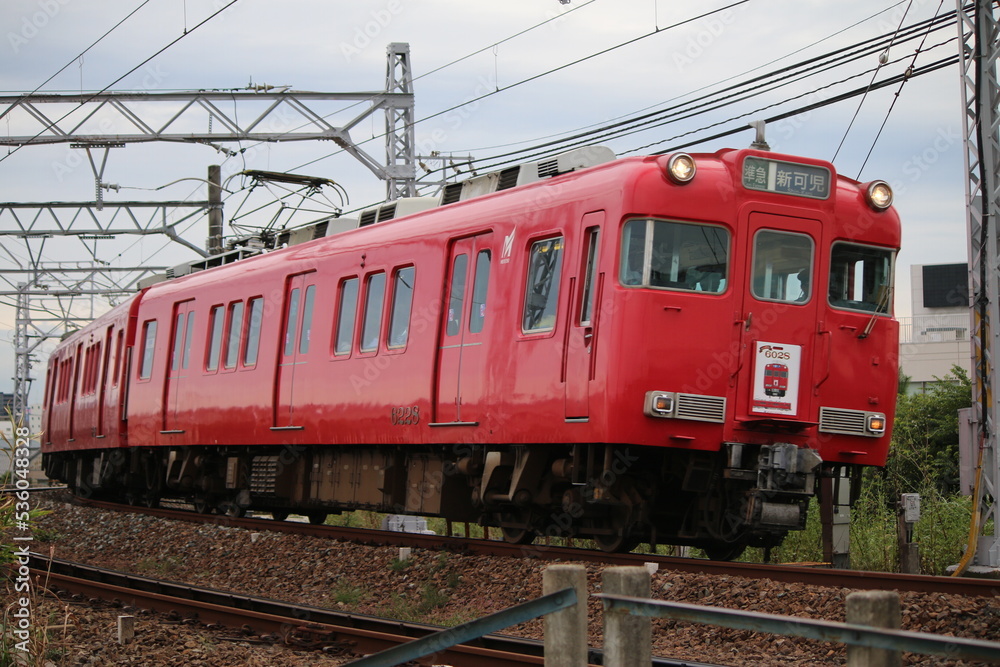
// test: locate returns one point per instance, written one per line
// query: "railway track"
(810, 575)
(300, 626)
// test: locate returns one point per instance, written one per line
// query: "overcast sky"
(340, 46)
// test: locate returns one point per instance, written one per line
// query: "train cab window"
(217, 319)
(782, 266)
(119, 350)
(346, 314)
(480, 286)
(371, 323)
(674, 255)
(402, 302)
(148, 347)
(542, 289)
(860, 277)
(253, 331)
(233, 334)
(188, 335)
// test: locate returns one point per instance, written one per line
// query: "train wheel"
(279, 515)
(151, 500)
(231, 509)
(619, 541)
(201, 505)
(316, 518)
(518, 535)
(725, 551)
(131, 499)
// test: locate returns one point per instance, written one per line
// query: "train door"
(300, 294)
(779, 313)
(181, 338)
(104, 379)
(583, 321)
(461, 381)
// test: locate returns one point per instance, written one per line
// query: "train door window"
(860, 277)
(119, 345)
(307, 312)
(371, 323)
(480, 286)
(782, 266)
(253, 331)
(188, 336)
(217, 319)
(402, 302)
(233, 334)
(347, 310)
(148, 346)
(456, 298)
(589, 277)
(542, 289)
(291, 321)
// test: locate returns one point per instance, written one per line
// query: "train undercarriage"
(616, 495)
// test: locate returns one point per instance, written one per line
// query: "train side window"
(860, 277)
(253, 331)
(371, 322)
(217, 319)
(674, 255)
(148, 347)
(542, 290)
(347, 311)
(456, 298)
(233, 334)
(589, 277)
(480, 286)
(175, 356)
(307, 313)
(782, 266)
(402, 302)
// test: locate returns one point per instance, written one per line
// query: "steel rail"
(812, 576)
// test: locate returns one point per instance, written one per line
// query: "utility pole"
(978, 33)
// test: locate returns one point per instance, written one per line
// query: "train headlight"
(659, 404)
(875, 424)
(681, 168)
(879, 195)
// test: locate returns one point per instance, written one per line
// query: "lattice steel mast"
(978, 32)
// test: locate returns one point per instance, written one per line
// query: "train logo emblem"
(508, 248)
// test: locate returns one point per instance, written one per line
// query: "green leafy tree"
(924, 451)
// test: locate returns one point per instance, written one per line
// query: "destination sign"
(787, 178)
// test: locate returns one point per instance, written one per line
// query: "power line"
(105, 89)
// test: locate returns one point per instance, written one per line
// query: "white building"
(936, 336)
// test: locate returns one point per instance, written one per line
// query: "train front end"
(755, 294)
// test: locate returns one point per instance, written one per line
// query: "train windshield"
(674, 255)
(860, 277)
(782, 264)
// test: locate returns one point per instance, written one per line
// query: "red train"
(582, 355)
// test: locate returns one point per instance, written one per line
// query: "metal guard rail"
(847, 633)
(459, 634)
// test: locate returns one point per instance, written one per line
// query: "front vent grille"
(508, 178)
(701, 408)
(452, 193)
(848, 422)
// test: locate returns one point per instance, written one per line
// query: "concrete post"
(126, 629)
(627, 638)
(877, 609)
(566, 629)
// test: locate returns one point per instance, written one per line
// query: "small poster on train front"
(776, 378)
